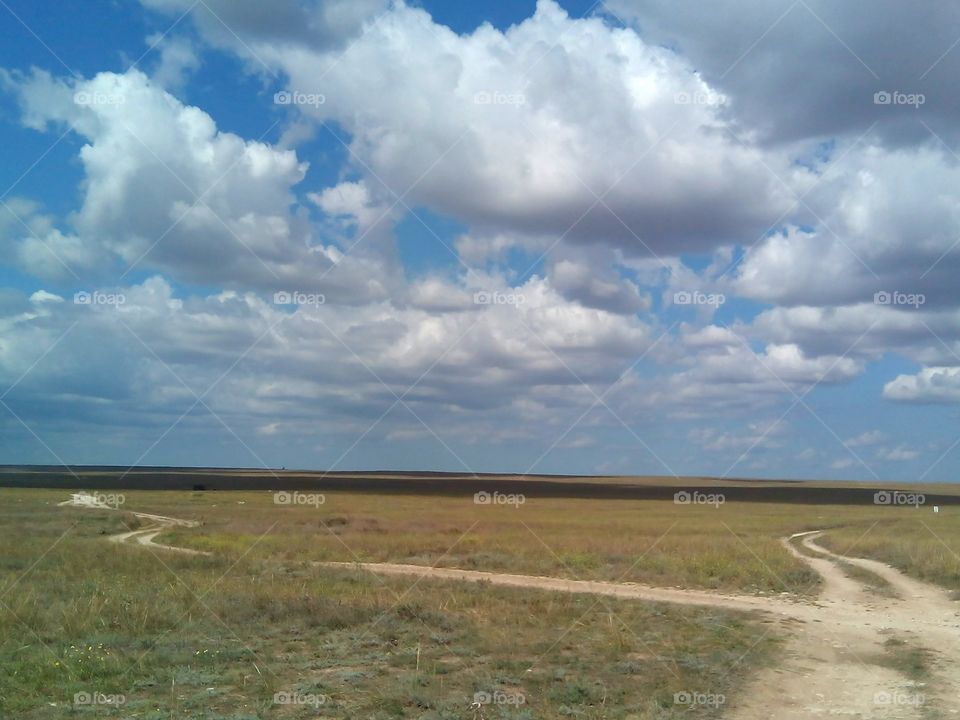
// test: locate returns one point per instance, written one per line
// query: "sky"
(551, 237)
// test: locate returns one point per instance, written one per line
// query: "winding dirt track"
(144, 536)
(830, 667)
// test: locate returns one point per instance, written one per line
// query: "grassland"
(913, 540)
(654, 542)
(218, 637)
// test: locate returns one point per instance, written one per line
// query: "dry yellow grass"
(219, 636)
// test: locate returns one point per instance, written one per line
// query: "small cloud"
(41, 296)
(900, 454)
(270, 429)
(406, 434)
(871, 437)
(178, 58)
(582, 441)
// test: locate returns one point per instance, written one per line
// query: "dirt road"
(835, 644)
(156, 524)
(834, 659)
(837, 663)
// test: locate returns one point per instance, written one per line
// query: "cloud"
(749, 50)
(870, 437)
(165, 189)
(146, 359)
(900, 454)
(930, 385)
(178, 58)
(251, 28)
(779, 364)
(711, 336)
(865, 332)
(557, 126)
(754, 438)
(886, 221)
(725, 374)
(581, 282)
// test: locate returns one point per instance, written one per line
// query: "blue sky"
(546, 237)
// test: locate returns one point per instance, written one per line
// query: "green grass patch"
(225, 636)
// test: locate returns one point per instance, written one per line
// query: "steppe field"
(297, 604)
